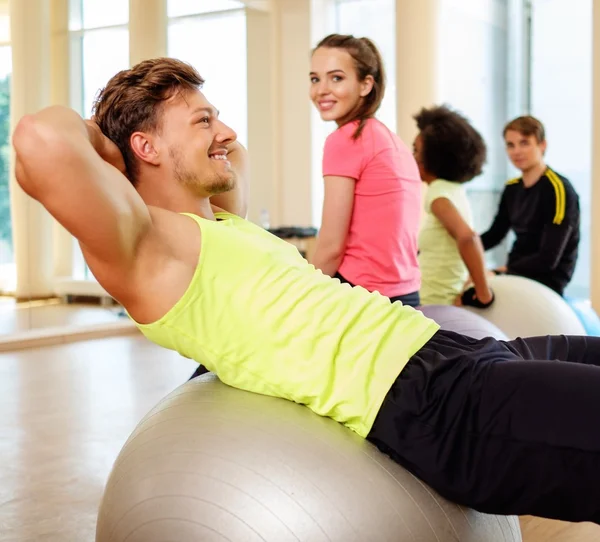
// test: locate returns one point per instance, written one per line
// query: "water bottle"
(264, 219)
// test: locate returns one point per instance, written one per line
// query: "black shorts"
(505, 427)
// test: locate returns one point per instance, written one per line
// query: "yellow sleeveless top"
(263, 319)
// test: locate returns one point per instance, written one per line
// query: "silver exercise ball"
(214, 463)
(462, 321)
(526, 308)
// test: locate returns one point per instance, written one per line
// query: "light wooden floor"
(65, 412)
(543, 530)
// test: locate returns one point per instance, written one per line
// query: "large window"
(473, 74)
(376, 20)
(474, 78)
(561, 97)
(7, 261)
(99, 65)
(6, 242)
(99, 49)
(211, 36)
(181, 8)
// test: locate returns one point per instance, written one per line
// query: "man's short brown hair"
(527, 126)
(132, 101)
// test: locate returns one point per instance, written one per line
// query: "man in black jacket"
(541, 207)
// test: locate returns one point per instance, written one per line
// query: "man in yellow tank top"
(154, 190)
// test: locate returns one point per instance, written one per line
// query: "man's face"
(193, 144)
(524, 151)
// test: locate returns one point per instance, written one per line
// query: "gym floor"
(65, 412)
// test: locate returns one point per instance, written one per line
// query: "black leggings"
(412, 299)
(504, 427)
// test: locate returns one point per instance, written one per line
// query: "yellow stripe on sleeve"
(559, 189)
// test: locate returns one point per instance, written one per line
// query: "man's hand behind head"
(106, 148)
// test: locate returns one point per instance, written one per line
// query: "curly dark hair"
(451, 148)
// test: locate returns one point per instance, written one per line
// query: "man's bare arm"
(236, 201)
(58, 163)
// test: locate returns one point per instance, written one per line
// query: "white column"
(279, 110)
(417, 54)
(595, 198)
(147, 30)
(322, 24)
(59, 95)
(293, 135)
(263, 69)
(30, 92)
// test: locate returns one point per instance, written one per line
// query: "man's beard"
(211, 184)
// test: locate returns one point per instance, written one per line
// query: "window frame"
(8, 270)
(79, 269)
(203, 15)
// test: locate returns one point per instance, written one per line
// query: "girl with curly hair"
(449, 153)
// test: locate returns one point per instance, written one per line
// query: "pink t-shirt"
(381, 247)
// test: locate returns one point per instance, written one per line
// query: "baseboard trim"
(50, 336)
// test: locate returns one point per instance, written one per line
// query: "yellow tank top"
(263, 319)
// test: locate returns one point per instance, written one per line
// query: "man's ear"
(144, 148)
(544, 146)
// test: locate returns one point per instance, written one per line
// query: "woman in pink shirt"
(372, 203)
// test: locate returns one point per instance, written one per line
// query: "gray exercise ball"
(462, 321)
(214, 463)
(526, 308)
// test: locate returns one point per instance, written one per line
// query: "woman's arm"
(337, 212)
(468, 243)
